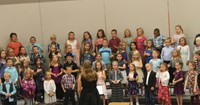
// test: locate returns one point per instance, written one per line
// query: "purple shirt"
(56, 70)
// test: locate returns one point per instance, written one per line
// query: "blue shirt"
(7, 84)
(105, 53)
(155, 64)
(13, 73)
(159, 41)
(166, 53)
(39, 48)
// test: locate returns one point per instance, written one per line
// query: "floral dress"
(191, 82)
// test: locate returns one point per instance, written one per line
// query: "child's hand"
(184, 90)
(111, 56)
(30, 92)
(174, 82)
(195, 90)
(64, 91)
(152, 88)
(15, 82)
(7, 95)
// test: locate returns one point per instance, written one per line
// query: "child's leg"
(136, 98)
(177, 99)
(191, 100)
(104, 100)
(180, 100)
(197, 101)
(72, 97)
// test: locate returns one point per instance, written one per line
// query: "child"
(191, 83)
(197, 36)
(23, 55)
(150, 82)
(101, 80)
(99, 41)
(56, 71)
(106, 55)
(53, 51)
(14, 43)
(68, 84)
(98, 59)
(75, 46)
(162, 77)
(11, 55)
(133, 88)
(39, 71)
(137, 61)
(155, 61)
(35, 55)
(28, 85)
(53, 41)
(158, 40)
(12, 70)
(122, 68)
(115, 79)
(128, 39)
(114, 41)
(2, 64)
(133, 50)
(122, 50)
(176, 37)
(166, 53)
(197, 63)
(50, 90)
(8, 97)
(149, 50)
(185, 53)
(33, 43)
(178, 83)
(69, 50)
(197, 47)
(175, 58)
(87, 38)
(141, 41)
(87, 54)
(71, 63)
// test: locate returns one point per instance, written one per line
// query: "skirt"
(133, 88)
(117, 93)
(163, 94)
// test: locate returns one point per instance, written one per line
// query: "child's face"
(38, 62)
(182, 42)
(133, 46)
(53, 39)
(148, 67)
(105, 43)
(14, 38)
(135, 56)
(197, 56)
(69, 70)
(9, 63)
(55, 59)
(149, 44)
(25, 63)
(86, 36)
(115, 66)
(131, 67)
(100, 34)
(127, 33)
(119, 57)
(156, 33)
(35, 50)
(3, 54)
(177, 66)
(53, 48)
(139, 32)
(48, 75)
(32, 40)
(98, 66)
(178, 30)
(174, 54)
(162, 68)
(87, 47)
(123, 47)
(7, 77)
(114, 34)
(191, 67)
(155, 54)
(198, 42)
(71, 36)
(69, 58)
(98, 57)
(69, 49)
(11, 52)
(23, 51)
(167, 42)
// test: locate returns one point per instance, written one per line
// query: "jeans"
(69, 94)
(149, 96)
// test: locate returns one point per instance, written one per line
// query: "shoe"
(36, 103)
(131, 103)
(137, 103)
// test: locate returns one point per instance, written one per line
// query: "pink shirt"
(140, 44)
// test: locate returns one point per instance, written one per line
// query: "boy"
(197, 62)
(53, 41)
(158, 40)
(98, 58)
(12, 70)
(150, 82)
(114, 41)
(197, 47)
(68, 84)
(166, 53)
(33, 43)
(34, 55)
(8, 91)
(72, 64)
(115, 79)
(106, 55)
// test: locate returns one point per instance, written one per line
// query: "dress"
(128, 40)
(49, 86)
(178, 87)
(140, 45)
(191, 81)
(163, 93)
(102, 83)
(99, 43)
(185, 55)
(139, 71)
(75, 50)
(132, 84)
(89, 93)
(148, 58)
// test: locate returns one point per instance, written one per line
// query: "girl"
(132, 84)
(75, 46)
(56, 71)
(128, 39)
(149, 50)
(99, 41)
(141, 41)
(87, 54)
(69, 49)
(178, 83)
(14, 43)
(28, 86)
(87, 38)
(39, 71)
(50, 90)
(137, 61)
(11, 55)
(53, 51)
(185, 53)
(101, 78)
(175, 58)
(176, 37)
(23, 55)
(123, 51)
(155, 61)
(162, 77)
(133, 46)
(2, 64)
(191, 83)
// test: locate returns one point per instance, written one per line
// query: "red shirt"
(114, 42)
(15, 46)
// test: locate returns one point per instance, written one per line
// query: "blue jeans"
(149, 96)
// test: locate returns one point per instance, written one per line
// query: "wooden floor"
(119, 103)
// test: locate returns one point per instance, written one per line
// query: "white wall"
(41, 18)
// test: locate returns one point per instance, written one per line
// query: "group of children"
(137, 65)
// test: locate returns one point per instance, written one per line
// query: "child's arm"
(121, 77)
(93, 44)
(61, 71)
(46, 88)
(79, 86)
(17, 61)
(123, 67)
(62, 85)
(50, 70)
(186, 81)
(104, 75)
(195, 84)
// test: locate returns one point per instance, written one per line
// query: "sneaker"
(137, 103)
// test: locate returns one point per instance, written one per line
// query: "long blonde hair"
(88, 73)
(28, 71)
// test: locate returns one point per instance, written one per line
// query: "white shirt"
(148, 74)
(163, 77)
